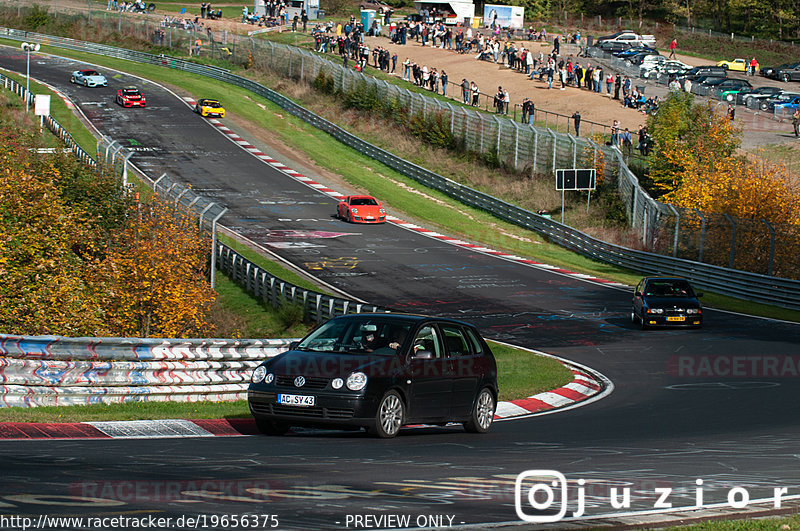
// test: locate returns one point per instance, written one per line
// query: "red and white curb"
(586, 387)
(244, 144)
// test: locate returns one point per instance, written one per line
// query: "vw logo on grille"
(299, 381)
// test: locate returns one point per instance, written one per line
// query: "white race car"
(89, 78)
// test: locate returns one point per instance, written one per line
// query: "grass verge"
(520, 374)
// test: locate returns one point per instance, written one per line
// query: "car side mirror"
(293, 345)
(422, 355)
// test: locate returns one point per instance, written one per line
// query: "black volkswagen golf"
(379, 372)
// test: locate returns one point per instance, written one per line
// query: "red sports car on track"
(130, 97)
(361, 209)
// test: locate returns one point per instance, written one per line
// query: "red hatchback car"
(361, 209)
(130, 97)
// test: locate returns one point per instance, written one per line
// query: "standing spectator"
(617, 86)
(304, 18)
(753, 66)
(203, 10)
(627, 142)
(525, 109)
(577, 119)
(443, 79)
(244, 14)
(407, 69)
(295, 19)
(615, 133)
(796, 122)
(476, 94)
(731, 112)
(465, 90)
(556, 46)
(609, 83)
(498, 100)
(197, 44)
(506, 101)
(672, 46)
(394, 61)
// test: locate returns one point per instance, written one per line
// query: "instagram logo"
(540, 489)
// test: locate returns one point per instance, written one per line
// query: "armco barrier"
(57, 371)
(749, 286)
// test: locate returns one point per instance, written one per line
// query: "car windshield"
(131, 92)
(368, 335)
(363, 201)
(211, 103)
(668, 288)
(90, 73)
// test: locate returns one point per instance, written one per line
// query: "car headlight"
(259, 374)
(337, 383)
(357, 381)
(655, 310)
(692, 311)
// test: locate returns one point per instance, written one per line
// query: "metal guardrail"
(749, 286)
(60, 371)
(272, 290)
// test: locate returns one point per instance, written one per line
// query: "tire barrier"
(59, 371)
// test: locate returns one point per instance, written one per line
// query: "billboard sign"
(497, 16)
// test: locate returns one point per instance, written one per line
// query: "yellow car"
(737, 65)
(209, 108)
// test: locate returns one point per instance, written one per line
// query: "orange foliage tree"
(155, 274)
(79, 258)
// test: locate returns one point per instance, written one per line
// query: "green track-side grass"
(520, 374)
(59, 111)
(373, 177)
(749, 524)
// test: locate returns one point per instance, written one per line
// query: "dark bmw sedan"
(379, 372)
(663, 301)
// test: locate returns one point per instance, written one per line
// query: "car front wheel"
(389, 417)
(482, 413)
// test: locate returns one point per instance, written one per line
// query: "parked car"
(379, 372)
(641, 57)
(736, 65)
(729, 88)
(698, 71)
(786, 72)
(613, 47)
(671, 68)
(787, 108)
(666, 301)
(629, 37)
(745, 95)
(361, 209)
(88, 78)
(633, 50)
(778, 99)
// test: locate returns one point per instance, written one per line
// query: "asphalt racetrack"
(718, 404)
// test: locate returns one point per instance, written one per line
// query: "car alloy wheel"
(482, 413)
(390, 415)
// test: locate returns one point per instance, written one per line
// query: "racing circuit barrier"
(59, 371)
(724, 280)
